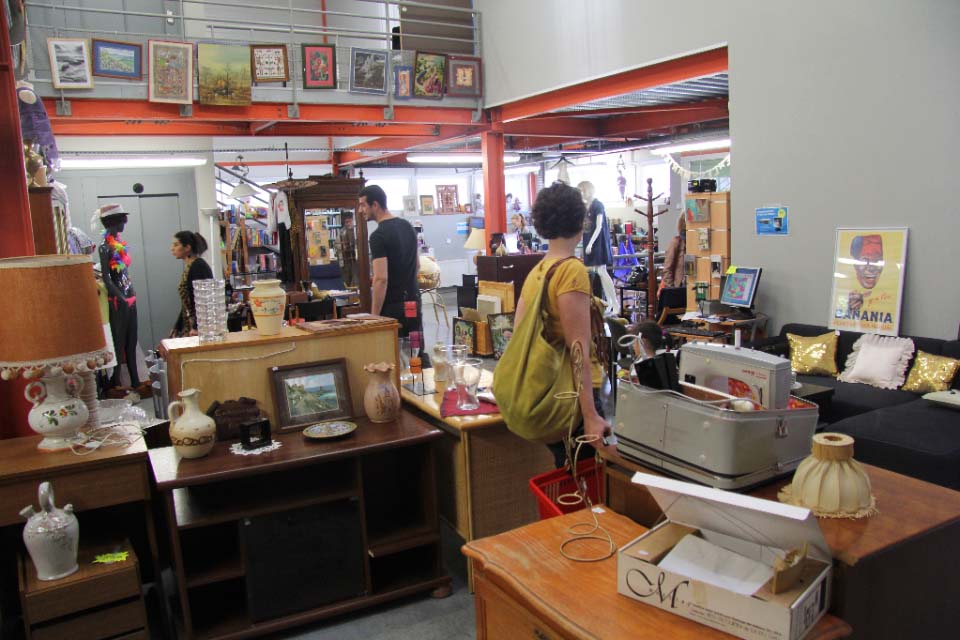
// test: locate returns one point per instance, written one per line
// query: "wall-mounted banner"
(773, 221)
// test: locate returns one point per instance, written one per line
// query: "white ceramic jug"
(192, 432)
(267, 301)
(52, 536)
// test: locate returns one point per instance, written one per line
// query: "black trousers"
(123, 328)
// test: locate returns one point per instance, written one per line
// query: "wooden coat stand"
(651, 253)
(330, 193)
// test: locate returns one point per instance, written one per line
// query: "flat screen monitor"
(740, 288)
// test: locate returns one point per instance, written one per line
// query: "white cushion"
(949, 398)
(880, 361)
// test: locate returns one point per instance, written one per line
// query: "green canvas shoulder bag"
(532, 373)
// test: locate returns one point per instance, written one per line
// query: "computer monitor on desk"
(740, 290)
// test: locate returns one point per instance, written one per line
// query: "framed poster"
(501, 329)
(448, 198)
(426, 205)
(319, 66)
(403, 82)
(70, 66)
(269, 63)
(117, 59)
(868, 270)
(409, 205)
(224, 72)
(368, 71)
(429, 72)
(170, 72)
(463, 76)
(465, 333)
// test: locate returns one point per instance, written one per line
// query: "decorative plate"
(327, 430)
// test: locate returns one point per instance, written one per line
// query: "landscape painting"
(308, 393)
(117, 59)
(224, 74)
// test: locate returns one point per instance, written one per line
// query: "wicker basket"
(428, 280)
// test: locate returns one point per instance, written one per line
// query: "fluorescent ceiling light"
(140, 162)
(456, 158)
(706, 145)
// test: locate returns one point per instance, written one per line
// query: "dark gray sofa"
(893, 429)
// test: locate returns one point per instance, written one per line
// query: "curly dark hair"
(559, 211)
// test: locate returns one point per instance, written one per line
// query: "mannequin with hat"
(114, 264)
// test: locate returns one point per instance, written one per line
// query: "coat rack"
(651, 270)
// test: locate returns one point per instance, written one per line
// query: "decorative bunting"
(687, 173)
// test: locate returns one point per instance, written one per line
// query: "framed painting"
(426, 205)
(868, 270)
(368, 71)
(403, 82)
(429, 72)
(409, 205)
(224, 71)
(501, 329)
(463, 76)
(269, 63)
(117, 59)
(448, 198)
(465, 333)
(319, 66)
(70, 65)
(170, 72)
(304, 394)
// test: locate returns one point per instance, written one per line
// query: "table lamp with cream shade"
(52, 331)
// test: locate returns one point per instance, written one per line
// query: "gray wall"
(843, 111)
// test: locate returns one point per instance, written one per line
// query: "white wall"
(843, 111)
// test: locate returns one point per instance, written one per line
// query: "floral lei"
(119, 258)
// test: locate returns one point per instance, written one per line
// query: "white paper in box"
(748, 525)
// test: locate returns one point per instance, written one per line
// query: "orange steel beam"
(524, 143)
(188, 128)
(686, 68)
(494, 190)
(623, 125)
(98, 109)
(623, 111)
(554, 127)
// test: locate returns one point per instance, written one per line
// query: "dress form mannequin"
(114, 261)
(597, 255)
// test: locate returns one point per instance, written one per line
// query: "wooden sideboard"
(313, 529)
(508, 269)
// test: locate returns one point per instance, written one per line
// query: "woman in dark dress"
(188, 246)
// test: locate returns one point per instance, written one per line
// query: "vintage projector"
(732, 425)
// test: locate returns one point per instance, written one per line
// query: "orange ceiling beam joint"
(686, 68)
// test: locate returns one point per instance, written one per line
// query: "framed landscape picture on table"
(429, 72)
(170, 72)
(308, 393)
(463, 76)
(501, 329)
(368, 71)
(117, 59)
(224, 71)
(70, 65)
(269, 63)
(465, 333)
(319, 66)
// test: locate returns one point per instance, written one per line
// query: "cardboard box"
(751, 527)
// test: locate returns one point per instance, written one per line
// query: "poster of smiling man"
(868, 273)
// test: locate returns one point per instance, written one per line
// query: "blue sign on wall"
(773, 221)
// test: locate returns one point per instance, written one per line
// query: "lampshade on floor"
(52, 316)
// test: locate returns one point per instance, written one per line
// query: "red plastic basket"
(547, 487)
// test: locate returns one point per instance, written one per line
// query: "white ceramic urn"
(192, 432)
(52, 536)
(267, 301)
(56, 414)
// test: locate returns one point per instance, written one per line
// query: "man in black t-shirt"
(393, 250)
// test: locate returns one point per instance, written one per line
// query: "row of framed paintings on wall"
(447, 196)
(226, 72)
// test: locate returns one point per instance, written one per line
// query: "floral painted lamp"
(52, 332)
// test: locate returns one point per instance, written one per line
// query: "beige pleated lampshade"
(51, 313)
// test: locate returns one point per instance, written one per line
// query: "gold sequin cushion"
(931, 373)
(815, 356)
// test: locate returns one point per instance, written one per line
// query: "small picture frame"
(170, 72)
(368, 71)
(448, 197)
(255, 434)
(426, 206)
(113, 59)
(409, 205)
(70, 64)
(319, 66)
(464, 76)
(501, 329)
(269, 63)
(468, 208)
(429, 73)
(304, 394)
(465, 333)
(403, 82)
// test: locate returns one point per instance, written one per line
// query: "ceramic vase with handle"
(267, 301)
(192, 432)
(381, 400)
(56, 414)
(52, 536)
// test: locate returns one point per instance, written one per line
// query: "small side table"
(97, 601)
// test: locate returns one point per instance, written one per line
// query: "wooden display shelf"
(402, 540)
